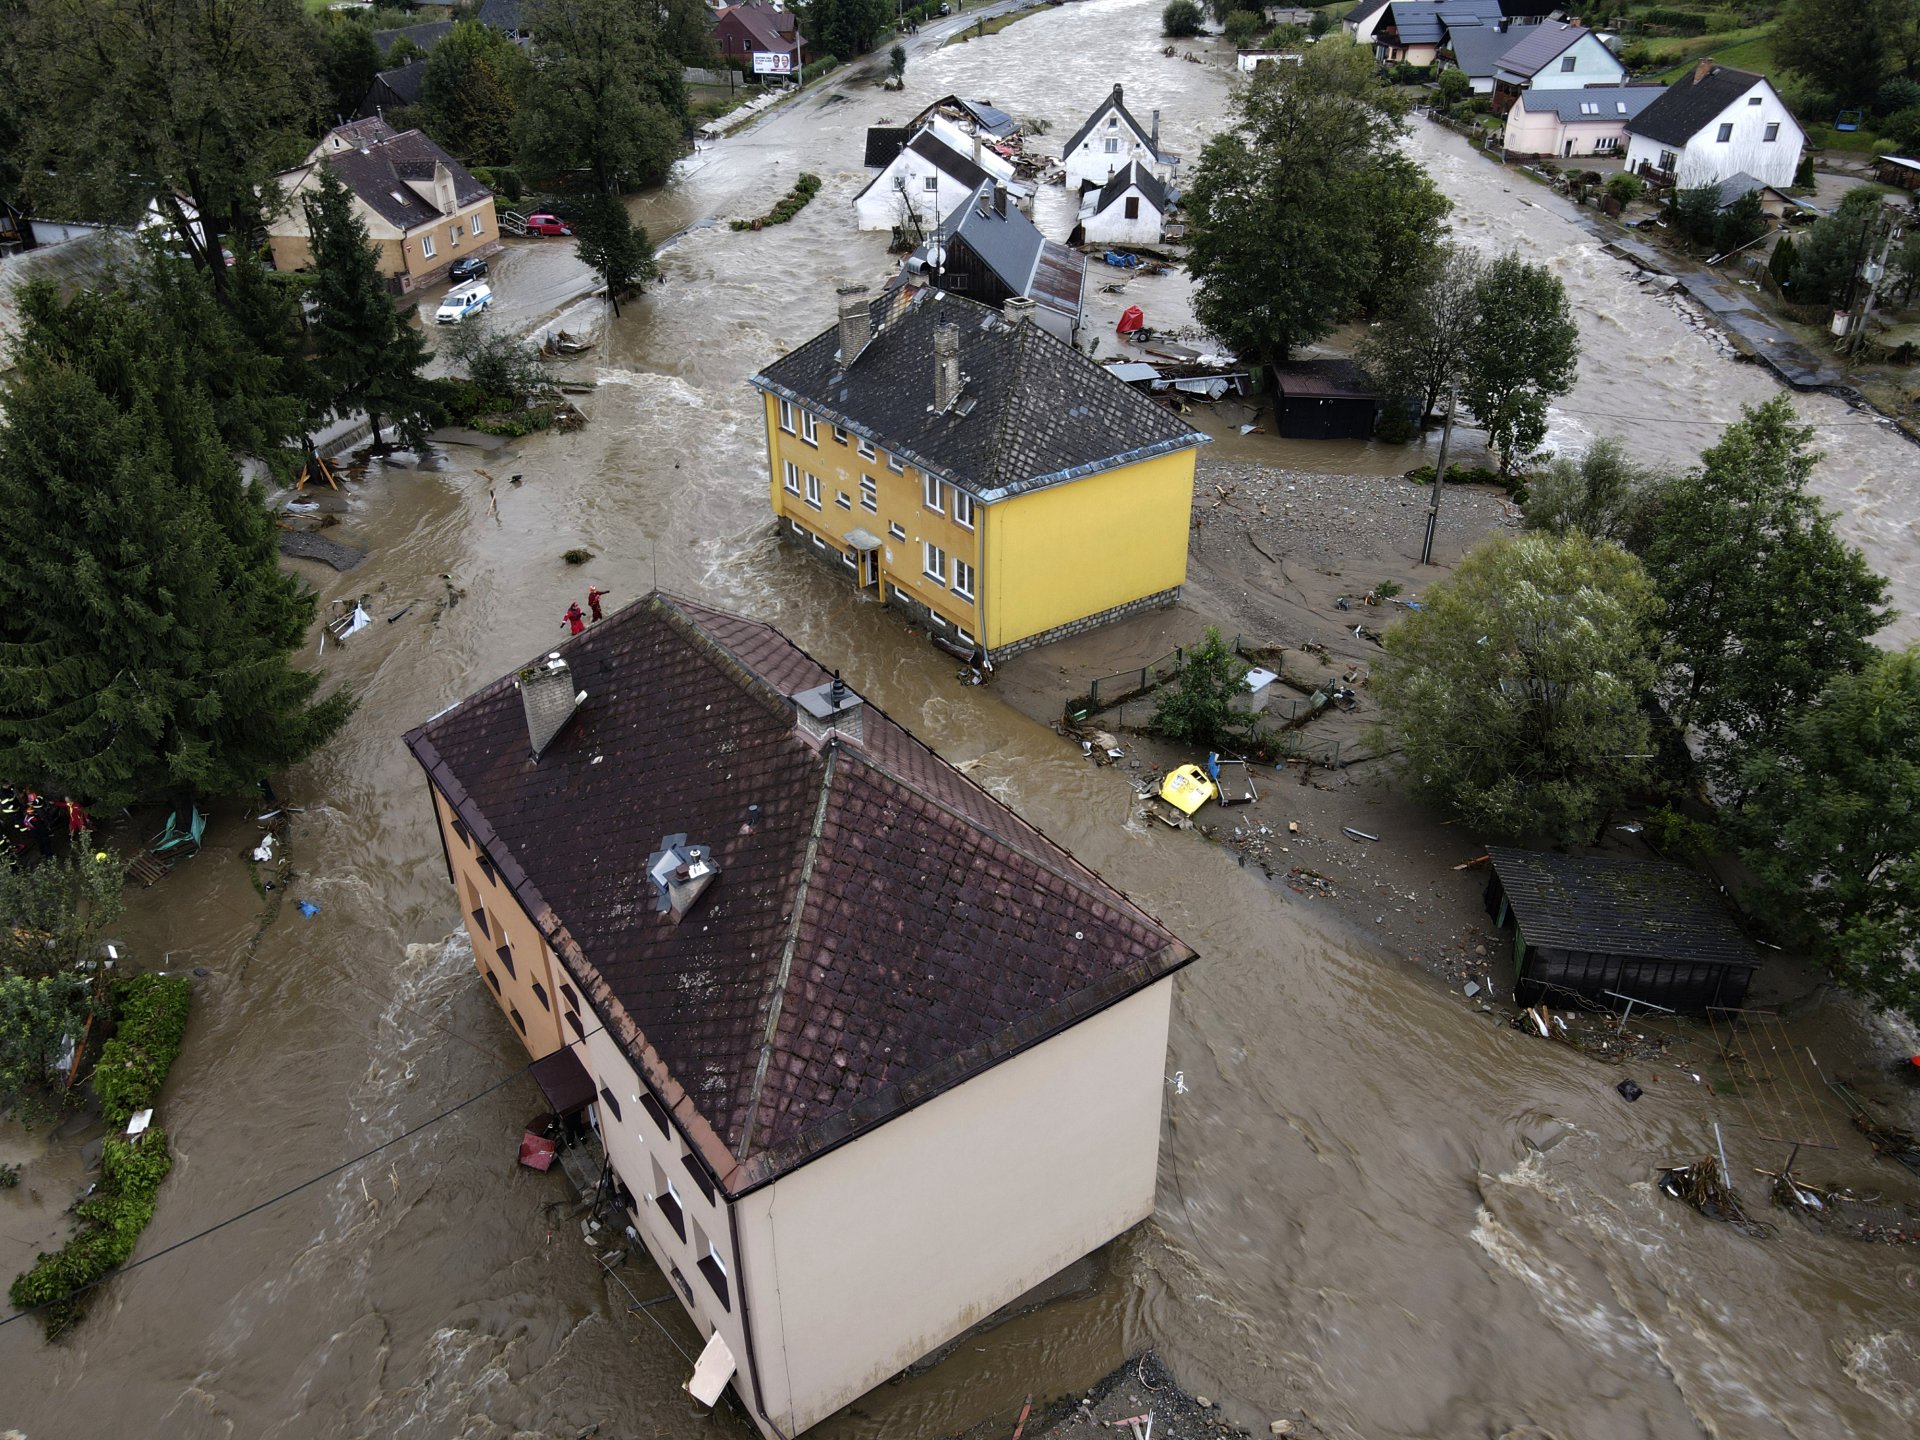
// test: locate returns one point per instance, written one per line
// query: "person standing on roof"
(594, 595)
(575, 617)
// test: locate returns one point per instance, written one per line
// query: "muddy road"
(1380, 1211)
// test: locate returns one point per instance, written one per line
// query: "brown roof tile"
(884, 931)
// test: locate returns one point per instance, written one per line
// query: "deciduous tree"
(471, 93)
(607, 104)
(1831, 828)
(146, 632)
(1837, 44)
(607, 240)
(367, 355)
(1523, 353)
(1764, 603)
(1182, 20)
(1603, 494)
(1421, 341)
(1196, 706)
(140, 101)
(1516, 692)
(1284, 204)
(348, 59)
(1828, 257)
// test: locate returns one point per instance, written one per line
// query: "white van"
(464, 300)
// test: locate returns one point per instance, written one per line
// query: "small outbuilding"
(1613, 930)
(1324, 400)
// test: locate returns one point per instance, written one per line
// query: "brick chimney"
(1702, 70)
(1000, 199)
(546, 690)
(1018, 308)
(829, 710)
(946, 366)
(856, 323)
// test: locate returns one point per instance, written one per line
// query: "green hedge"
(109, 1227)
(788, 206)
(152, 1015)
(813, 71)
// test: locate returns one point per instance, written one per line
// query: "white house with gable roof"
(1713, 124)
(1110, 141)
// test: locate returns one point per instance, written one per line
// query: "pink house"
(1569, 123)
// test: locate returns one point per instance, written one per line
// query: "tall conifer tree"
(146, 628)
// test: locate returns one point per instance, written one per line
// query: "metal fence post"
(1093, 695)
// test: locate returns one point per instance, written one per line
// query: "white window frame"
(792, 477)
(798, 528)
(1113, 145)
(786, 416)
(963, 587)
(813, 489)
(897, 530)
(963, 509)
(473, 222)
(963, 635)
(864, 448)
(839, 435)
(869, 495)
(843, 500)
(426, 247)
(1725, 133)
(933, 563)
(930, 496)
(809, 428)
(932, 183)
(720, 1264)
(896, 464)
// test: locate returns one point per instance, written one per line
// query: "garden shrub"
(152, 1012)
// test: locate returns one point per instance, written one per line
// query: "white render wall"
(902, 188)
(1091, 164)
(1593, 64)
(877, 1253)
(1111, 226)
(1707, 159)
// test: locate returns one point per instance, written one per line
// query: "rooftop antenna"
(839, 690)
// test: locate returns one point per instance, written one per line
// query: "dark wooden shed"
(1324, 400)
(1614, 930)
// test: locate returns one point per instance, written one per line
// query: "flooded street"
(1378, 1211)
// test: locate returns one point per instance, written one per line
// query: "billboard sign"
(767, 62)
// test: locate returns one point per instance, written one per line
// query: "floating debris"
(1704, 1186)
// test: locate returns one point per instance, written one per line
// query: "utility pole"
(1876, 272)
(1439, 475)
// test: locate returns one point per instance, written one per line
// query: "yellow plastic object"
(1187, 788)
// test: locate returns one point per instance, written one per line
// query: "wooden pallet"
(147, 870)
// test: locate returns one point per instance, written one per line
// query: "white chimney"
(828, 710)
(546, 689)
(946, 366)
(1018, 308)
(856, 323)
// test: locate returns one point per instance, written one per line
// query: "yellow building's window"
(930, 492)
(813, 490)
(869, 496)
(792, 477)
(934, 563)
(962, 509)
(809, 428)
(963, 579)
(786, 416)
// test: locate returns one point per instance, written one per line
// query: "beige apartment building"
(422, 208)
(827, 993)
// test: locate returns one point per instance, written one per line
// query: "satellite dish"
(936, 254)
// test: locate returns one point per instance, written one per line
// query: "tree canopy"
(606, 104)
(1827, 258)
(140, 101)
(367, 356)
(1603, 494)
(1420, 342)
(1516, 692)
(146, 633)
(1831, 828)
(1839, 45)
(1196, 706)
(471, 91)
(607, 240)
(1300, 202)
(1764, 603)
(1523, 352)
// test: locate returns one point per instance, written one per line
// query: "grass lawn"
(1748, 49)
(994, 27)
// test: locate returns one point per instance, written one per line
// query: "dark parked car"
(468, 267)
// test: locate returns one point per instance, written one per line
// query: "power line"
(288, 1193)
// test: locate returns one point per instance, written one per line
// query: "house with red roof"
(740, 32)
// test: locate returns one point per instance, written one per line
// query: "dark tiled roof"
(366, 131)
(378, 173)
(1615, 102)
(425, 36)
(1540, 45)
(883, 143)
(393, 88)
(1332, 377)
(883, 931)
(1613, 906)
(1690, 105)
(1134, 175)
(1476, 48)
(1417, 23)
(501, 15)
(1041, 411)
(1362, 11)
(1112, 102)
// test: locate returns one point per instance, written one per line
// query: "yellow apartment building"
(819, 994)
(962, 464)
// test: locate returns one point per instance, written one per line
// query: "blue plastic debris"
(309, 909)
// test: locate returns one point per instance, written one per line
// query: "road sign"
(767, 62)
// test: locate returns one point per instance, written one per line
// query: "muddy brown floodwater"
(1380, 1212)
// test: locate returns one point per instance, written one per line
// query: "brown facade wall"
(518, 969)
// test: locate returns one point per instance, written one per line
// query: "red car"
(547, 225)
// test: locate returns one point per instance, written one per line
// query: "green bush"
(813, 70)
(788, 206)
(109, 1227)
(152, 1012)
(1459, 475)
(1681, 22)
(502, 180)
(1181, 20)
(1241, 28)
(1197, 707)
(1625, 188)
